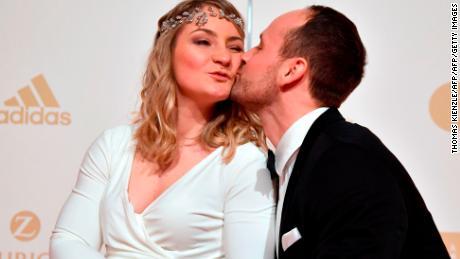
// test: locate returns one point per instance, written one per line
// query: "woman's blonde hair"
(229, 126)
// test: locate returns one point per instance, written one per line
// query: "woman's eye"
(202, 42)
(236, 49)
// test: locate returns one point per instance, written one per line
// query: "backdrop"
(69, 69)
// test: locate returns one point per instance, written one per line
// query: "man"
(342, 193)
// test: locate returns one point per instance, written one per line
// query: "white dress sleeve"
(249, 214)
(77, 233)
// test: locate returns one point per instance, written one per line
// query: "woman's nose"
(222, 57)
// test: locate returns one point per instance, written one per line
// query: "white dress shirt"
(286, 154)
(216, 210)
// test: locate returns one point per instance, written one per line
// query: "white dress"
(215, 210)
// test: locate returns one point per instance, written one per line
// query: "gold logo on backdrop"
(25, 226)
(36, 105)
(440, 107)
(452, 242)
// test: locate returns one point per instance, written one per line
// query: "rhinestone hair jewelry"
(200, 17)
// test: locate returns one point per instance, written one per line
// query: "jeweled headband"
(200, 17)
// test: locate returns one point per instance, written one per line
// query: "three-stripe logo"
(28, 109)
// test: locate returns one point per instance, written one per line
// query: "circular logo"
(25, 225)
(440, 107)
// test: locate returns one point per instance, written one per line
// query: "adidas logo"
(35, 111)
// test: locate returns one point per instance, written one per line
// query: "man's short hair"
(330, 43)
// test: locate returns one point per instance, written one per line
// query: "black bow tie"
(271, 164)
(273, 174)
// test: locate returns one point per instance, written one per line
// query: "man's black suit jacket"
(349, 197)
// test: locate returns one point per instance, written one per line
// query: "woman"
(187, 179)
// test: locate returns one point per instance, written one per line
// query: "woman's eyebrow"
(207, 31)
(235, 38)
(214, 34)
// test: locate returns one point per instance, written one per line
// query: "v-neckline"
(173, 186)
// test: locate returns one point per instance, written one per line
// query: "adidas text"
(34, 116)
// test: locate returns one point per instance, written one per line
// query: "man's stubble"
(255, 96)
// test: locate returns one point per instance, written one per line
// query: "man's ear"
(292, 70)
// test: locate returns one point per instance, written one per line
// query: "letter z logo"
(25, 226)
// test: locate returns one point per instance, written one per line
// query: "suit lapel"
(309, 152)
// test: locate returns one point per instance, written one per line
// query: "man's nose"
(247, 56)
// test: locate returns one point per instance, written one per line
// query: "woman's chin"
(219, 95)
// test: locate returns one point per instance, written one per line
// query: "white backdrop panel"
(92, 55)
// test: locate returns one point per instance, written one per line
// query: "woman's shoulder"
(117, 134)
(119, 131)
(108, 149)
(114, 138)
(250, 152)
(248, 175)
(248, 155)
